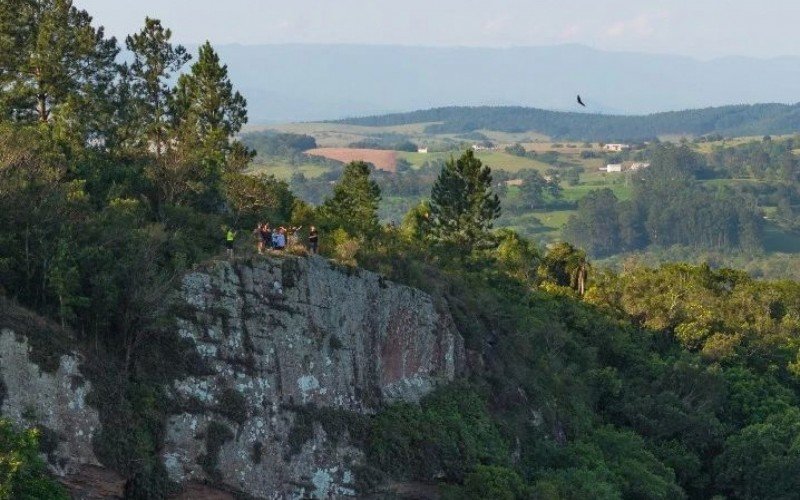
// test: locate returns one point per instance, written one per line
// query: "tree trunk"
(42, 111)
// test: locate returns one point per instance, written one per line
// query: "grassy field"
(542, 225)
(284, 171)
(497, 160)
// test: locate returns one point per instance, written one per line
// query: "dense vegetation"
(759, 119)
(670, 382)
(668, 207)
(22, 472)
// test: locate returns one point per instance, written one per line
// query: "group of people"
(276, 239)
(279, 238)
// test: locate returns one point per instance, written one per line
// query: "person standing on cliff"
(266, 236)
(230, 238)
(313, 240)
(281, 240)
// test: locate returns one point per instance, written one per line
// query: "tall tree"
(353, 206)
(206, 113)
(463, 206)
(155, 59)
(205, 105)
(595, 227)
(53, 62)
(565, 265)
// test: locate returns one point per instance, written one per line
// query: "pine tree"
(54, 65)
(155, 59)
(206, 113)
(354, 203)
(463, 206)
(206, 108)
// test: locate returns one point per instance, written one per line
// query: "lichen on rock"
(323, 338)
(53, 401)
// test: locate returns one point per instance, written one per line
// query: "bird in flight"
(580, 101)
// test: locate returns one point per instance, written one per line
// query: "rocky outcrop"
(282, 340)
(54, 401)
(293, 355)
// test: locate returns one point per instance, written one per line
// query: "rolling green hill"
(757, 119)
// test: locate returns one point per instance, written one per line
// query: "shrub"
(22, 472)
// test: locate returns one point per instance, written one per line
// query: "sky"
(702, 29)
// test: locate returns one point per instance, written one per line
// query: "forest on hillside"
(116, 178)
(739, 120)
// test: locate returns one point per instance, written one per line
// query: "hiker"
(265, 235)
(259, 241)
(280, 241)
(230, 237)
(274, 238)
(313, 239)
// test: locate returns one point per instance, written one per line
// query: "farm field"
(382, 159)
(285, 170)
(497, 160)
(544, 155)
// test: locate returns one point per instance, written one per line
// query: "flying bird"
(580, 101)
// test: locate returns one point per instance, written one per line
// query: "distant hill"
(286, 83)
(758, 119)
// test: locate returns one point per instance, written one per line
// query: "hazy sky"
(699, 28)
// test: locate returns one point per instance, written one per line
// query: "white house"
(616, 147)
(638, 166)
(422, 150)
(613, 167)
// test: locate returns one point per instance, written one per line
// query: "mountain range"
(315, 82)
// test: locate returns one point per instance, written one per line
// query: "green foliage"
(762, 460)
(516, 256)
(336, 423)
(22, 472)
(342, 247)
(669, 207)
(488, 481)
(256, 199)
(55, 67)
(565, 265)
(448, 434)
(618, 461)
(596, 226)
(155, 59)
(281, 145)
(652, 383)
(353, 205)
(516, 150)
(537, 191)
(463, 207)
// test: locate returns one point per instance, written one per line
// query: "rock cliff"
(291, 350)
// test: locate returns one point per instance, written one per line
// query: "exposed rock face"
(56, 401)
(283, 344)
(281, 334)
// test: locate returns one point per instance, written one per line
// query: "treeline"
(767, 159)
(740, 120)
(275, 144)
(668, 207)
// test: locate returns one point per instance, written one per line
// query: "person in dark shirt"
(313, 239)
(265, 233)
